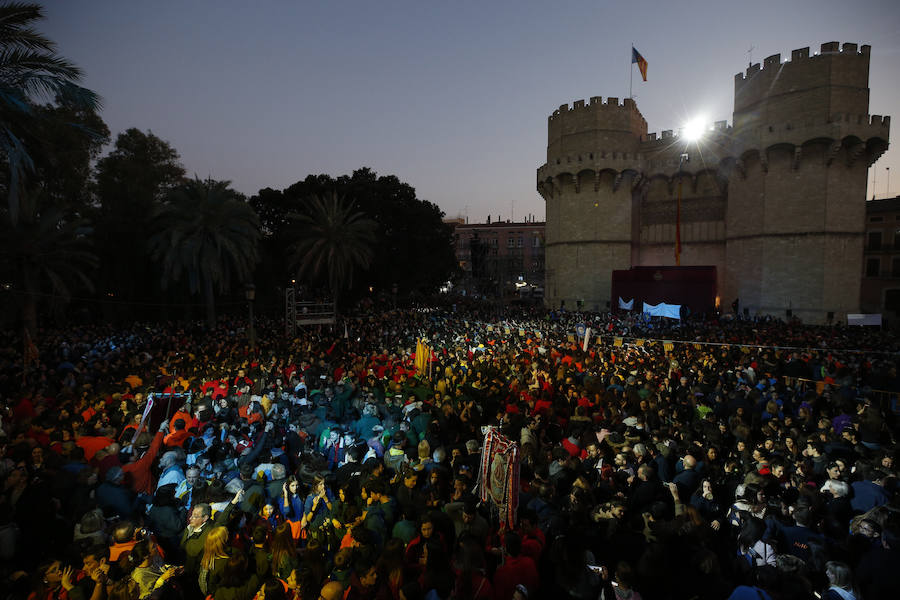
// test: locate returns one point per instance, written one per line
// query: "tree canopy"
(412, 245)
(207, 234)
(31, 73)
(335, 241)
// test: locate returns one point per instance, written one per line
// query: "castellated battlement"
(834, 80)
(596, 103)
(801, 54)
(718, 128)
(585, 127)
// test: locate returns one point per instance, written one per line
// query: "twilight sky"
(452, 97)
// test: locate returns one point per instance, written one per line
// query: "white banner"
(587, 338)
(626, 305)
(671, 311)
(147, 410)
(864, 319)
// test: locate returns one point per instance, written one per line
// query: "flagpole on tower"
(631, 72)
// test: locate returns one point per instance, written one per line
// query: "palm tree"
(30, 72)
(47, 253)
(207, 232)
(335, 241)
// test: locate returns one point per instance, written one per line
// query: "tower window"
(873, 265)
(874, 241)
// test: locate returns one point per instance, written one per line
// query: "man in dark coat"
(194, 536)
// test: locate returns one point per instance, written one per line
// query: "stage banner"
(499, 475)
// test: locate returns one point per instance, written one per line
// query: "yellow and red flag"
(641, 62)
(423, 357)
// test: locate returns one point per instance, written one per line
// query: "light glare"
(694, 129)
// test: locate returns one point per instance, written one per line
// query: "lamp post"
(250, 295)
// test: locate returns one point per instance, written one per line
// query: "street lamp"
(250, 295)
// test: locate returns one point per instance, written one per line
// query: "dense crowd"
(706, 459)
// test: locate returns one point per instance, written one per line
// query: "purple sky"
(452, 97)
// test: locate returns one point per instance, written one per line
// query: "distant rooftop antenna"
(750, 55)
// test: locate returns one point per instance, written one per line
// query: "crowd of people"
(708, 459)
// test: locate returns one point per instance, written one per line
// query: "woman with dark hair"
(750, 501)
(791, 449)
(268, 517)
(291, 500)
(390, 563)
(317, 508)
(471, 582)
(236, 585)
(704, 501)
(149, 572)
(436, 579)
(284, 552)
(751, 546)
(416, 548)
(437, 488)
(345, 511)
(48, 584)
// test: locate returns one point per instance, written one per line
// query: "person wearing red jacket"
(137, 472)
(516, 569)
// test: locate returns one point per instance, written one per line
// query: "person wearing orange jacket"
(178, 436)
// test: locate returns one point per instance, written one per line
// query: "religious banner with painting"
(499, 474)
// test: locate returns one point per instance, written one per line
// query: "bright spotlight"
(694, 129)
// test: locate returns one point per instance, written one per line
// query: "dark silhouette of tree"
(31, 73)
(206, 233)
(413, 246)
(335, 241)
(131, 183)
(47, 254)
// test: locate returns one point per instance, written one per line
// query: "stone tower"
(776, 202)
(803, 142)
(592, 166)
